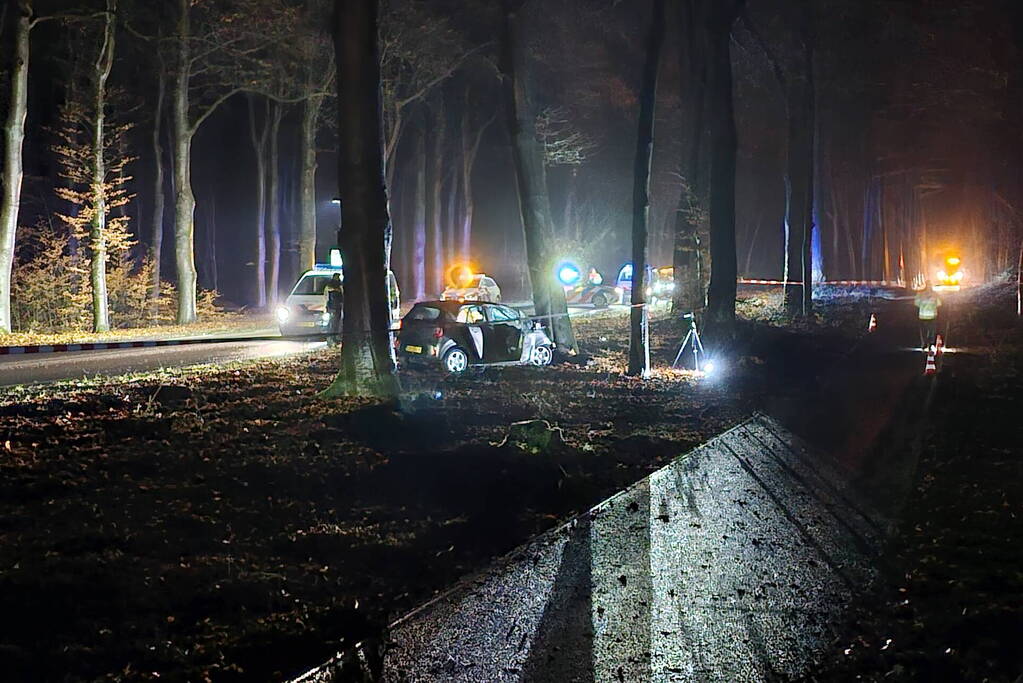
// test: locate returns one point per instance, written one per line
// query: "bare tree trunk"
(307, 230)
(687, 263)
(97, 238)
(367, 366)
(258, 136)
(639, 354)
(531, 180)
(471, 141)
(753, 244)
(184, 199)
(451, 219)
(435, 203)
(721, 292)
(419, 218)
(156, 223)
(14, 138)
(274, 208)
(799, 196)
(210, 241)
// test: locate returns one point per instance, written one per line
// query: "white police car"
(304, 310)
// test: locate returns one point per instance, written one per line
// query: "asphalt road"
(54, 367)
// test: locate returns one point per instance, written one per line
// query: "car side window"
(487, 282)
(471, 315)
(501, 314)
(497, 315)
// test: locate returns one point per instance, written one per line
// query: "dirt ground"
(228, 525)
(232, 526)
(950, 606)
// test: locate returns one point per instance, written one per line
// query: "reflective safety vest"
(928, 305)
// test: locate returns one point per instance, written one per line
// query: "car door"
(474, 317)
(506, 329)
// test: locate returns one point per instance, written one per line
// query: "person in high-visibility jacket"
(927, 304)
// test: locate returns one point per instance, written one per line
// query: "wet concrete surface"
(737, 562)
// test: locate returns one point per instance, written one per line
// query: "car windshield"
(312, 284)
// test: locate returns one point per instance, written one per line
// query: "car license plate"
(414, 349)
(309, 324)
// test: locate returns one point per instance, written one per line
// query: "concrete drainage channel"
(734, 563)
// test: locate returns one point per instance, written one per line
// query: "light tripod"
(692, 339)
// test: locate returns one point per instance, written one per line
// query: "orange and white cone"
(939, 345)
(931, 367)
(872, 325)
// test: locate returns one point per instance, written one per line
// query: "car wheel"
(456, 361)
(599, 301)
(541, 356)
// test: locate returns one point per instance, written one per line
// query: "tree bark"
(722, 289)
(639, 315)
(210, 239)
(367, 366)
(471, 141)
(156, 222)
(799, 197)
(419, 218)
(258, 136)
(14, 138)
(274, 208)
(687, 261)
(98, 233)
(307, 175)
(531, 183)
(184, 199)
(435, 202)
(451, 218)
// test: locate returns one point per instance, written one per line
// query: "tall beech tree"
(100, 74)
(13, 164)
(367, 367)
(719, 17)
(212, 60)
(639, 315)
(259, 131)
(520, 114)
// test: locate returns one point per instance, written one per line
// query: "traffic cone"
(873, 323)
(939, 345)
(931, 367)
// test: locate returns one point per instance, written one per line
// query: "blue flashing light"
(569, 274)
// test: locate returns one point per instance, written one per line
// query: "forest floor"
(950, 604)
(228, 324)
(229, 525)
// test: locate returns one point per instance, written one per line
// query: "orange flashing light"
(460, 275)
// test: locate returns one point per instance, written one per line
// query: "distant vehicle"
(598, 296)
(460, 335)
(662, 284)
(624, 280)
(592, 291)
(472, 287)
(950, 274)
(304, 310)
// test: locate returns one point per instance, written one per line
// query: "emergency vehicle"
(304, 310)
